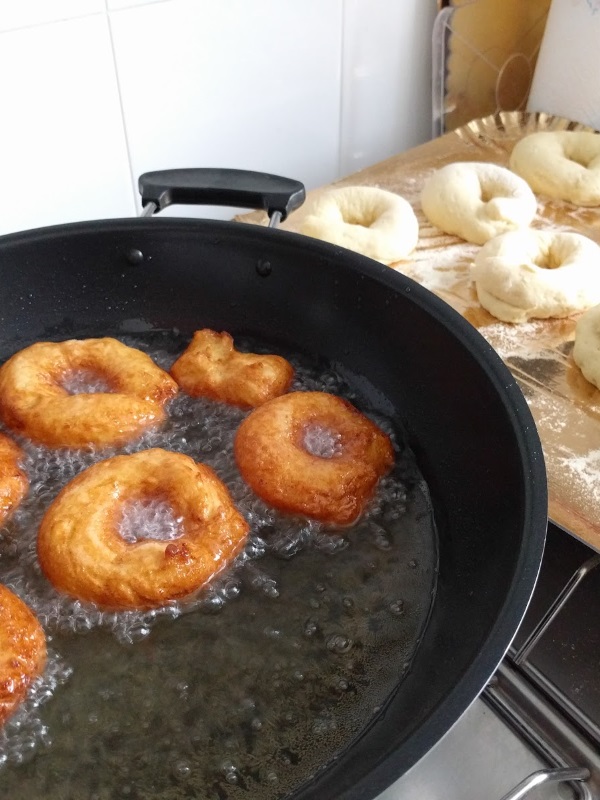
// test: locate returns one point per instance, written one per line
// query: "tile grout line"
(56, 21)
(132, 179)
(343, 43)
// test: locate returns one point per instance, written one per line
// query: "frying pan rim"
(535, 496)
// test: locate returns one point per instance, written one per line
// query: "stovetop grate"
(547, 688)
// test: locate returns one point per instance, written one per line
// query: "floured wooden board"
(565, 406)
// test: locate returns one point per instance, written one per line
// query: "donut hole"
(548, 258)
(488, 193)
(149, 518)
(363, 219)
(321, 441)
(84, 381)
(581, 159)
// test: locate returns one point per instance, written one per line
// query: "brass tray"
(565, 406)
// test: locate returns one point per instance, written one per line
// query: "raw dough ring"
(22, 651)
(368, 220)
(586, 350)
(274, 454)
(212, 367)
(532, 273)
(564, 165)
(34, 403)
(83, 554)
(477, 201)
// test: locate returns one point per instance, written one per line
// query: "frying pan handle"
(220, 187)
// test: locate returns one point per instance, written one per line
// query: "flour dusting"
(586, 471)
(515, 340)
(442, 267)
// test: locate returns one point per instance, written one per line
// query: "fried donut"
(22, 651)
(314, 454)
(564, 165)
(368, 220)
(586, 350)
(212, 367)
(35, 403)
(14, 483)
(83, 554)
(537, 274)
(477, 201)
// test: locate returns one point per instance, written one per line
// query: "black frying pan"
(457, 404)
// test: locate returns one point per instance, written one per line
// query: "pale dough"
(586, 350)
(564, 165)
(477, 201)
(537, 274)
(366, 219)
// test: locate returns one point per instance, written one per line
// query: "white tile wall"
(25, 13)
(94, 92)
(234, 84)
(386, 79)
(63, 153)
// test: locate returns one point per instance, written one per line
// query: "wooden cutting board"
(566, 408)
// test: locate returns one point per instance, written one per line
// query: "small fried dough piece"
(22, 651)
(14, 483)
(212, 367)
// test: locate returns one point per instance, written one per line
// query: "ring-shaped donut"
(366, 219)
(586, 349)
(275, 457)
(477, 201)
(537, 274)
(564, 165)
(14, 483)
(22, 651)
(83, 553)
(35, 403)
(212, 367)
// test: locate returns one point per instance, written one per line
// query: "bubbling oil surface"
(259, 681)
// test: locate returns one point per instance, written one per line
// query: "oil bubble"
(181, 769)
(397, 608)
(339, 643)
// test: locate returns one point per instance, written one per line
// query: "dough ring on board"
(368, 220)
(586, 350)
(22, 651)
(537, 274)
(83, 553)
(564, 165)
(477, 201)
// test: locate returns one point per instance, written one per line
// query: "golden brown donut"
(83, 554)
(212, 367)
(275, 456)
(34, 402)
(14, 483)
(22, 651)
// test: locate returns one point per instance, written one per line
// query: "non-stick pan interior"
(415, 358)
